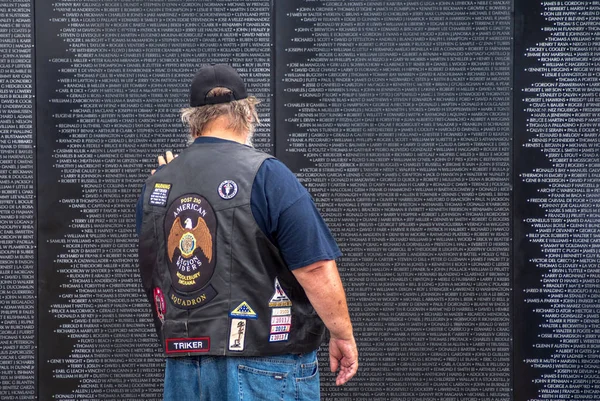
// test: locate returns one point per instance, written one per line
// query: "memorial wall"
(557, 199)
(452, 147)
(112, 77)
(17, 197)
(396, 116)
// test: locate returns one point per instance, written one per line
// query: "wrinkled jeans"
(215, 378)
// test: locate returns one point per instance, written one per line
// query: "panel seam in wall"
(511, 273)
(273, 81)
(34, 129)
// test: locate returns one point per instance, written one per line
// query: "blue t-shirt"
(285, 212)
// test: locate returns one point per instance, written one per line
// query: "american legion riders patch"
(190, 229)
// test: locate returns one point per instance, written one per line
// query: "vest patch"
(227, 189)
(281, 320)
(280, 298)
(284, 328)
(194, 300)
(282, 311)
(278, 337)
(160, 194)
(237, 334)
(190, 229)
(177, 345)
(159, 304)
(243, 311)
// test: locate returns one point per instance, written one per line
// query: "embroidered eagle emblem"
(188, 239)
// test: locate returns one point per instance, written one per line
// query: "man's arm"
(323, 286)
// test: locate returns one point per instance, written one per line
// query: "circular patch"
(228, 189)
(187, 244)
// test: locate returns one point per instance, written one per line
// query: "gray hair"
(241, 114)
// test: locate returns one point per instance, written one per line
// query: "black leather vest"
(216, 283)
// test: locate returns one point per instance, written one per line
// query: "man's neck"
(230, 136)
(219, 129)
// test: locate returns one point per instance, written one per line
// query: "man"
(237, 262)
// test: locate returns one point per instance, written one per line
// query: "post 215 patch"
(160, 194)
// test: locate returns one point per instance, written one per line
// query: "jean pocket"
(308, 370)
(258, 384)
(307, 383)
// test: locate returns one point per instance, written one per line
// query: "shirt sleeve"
(286, 213)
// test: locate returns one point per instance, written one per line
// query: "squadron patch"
(237, 334)
(194, 300)
(160, 194)
(227, 189)
(159, 304)
(243, 311)
(190, 229)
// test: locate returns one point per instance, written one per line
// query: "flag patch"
(243, 311)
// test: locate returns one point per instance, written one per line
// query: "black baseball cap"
(213, 76)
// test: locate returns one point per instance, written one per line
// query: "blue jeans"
(215, 378)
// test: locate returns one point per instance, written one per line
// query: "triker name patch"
(160, 194)
(178, 345)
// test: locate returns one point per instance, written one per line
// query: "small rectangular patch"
(278, 337)
(282, 328)
(178, 345)
(237, 334)
(160, 194)
(281, 320)
(281, 311)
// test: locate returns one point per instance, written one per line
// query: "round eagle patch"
(190, 230)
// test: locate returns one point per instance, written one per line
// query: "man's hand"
(164, 160)
(343, 354)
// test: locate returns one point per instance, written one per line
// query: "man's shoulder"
(278, 170)
(275, 175)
